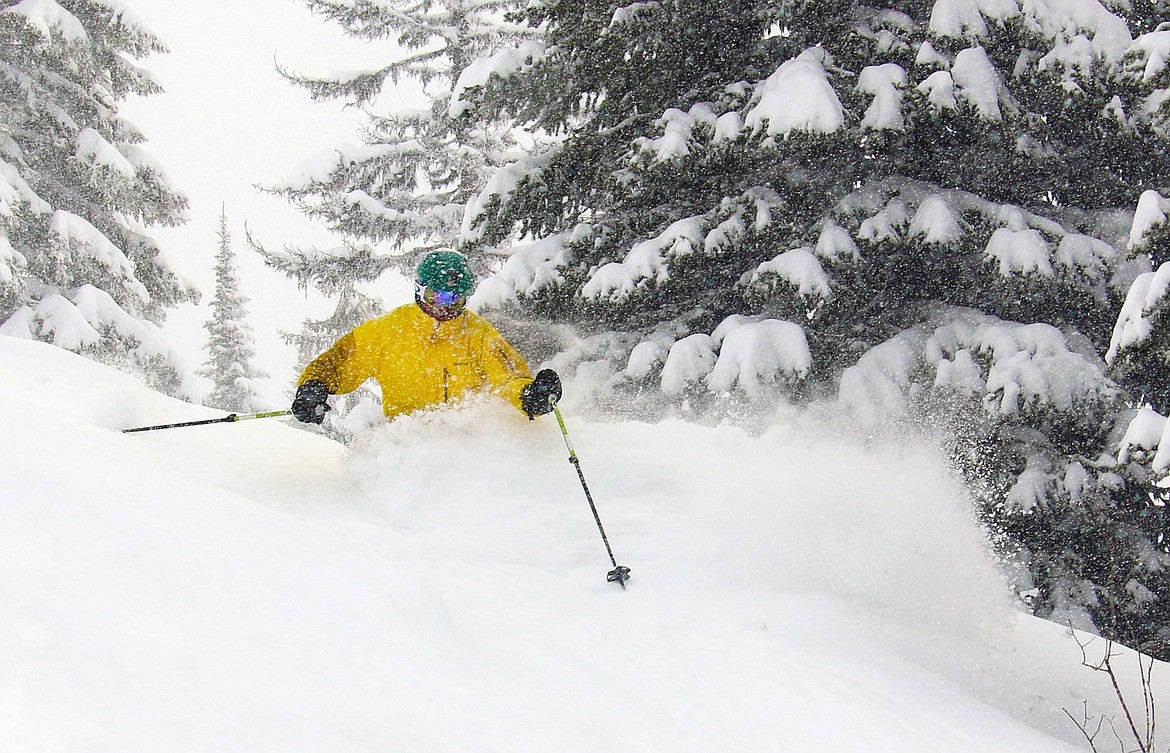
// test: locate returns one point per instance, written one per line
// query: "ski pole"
(225, 420)
(620, 574)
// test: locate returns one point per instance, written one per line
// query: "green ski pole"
(620, 573)
(225, 420)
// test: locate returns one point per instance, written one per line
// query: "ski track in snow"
(440, 586)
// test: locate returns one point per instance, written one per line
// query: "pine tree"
(230, 346)
(78, 192)
(913, 205)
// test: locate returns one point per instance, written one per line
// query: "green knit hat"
(446, 271)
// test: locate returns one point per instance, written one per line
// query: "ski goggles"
(434, 297)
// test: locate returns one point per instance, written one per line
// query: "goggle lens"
(443, 298)
(439, 297)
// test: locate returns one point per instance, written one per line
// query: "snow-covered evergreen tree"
(406, 184)
(230, 343)
(808, 126)
(77, 190)
(751, 200)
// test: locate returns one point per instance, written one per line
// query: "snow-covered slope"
(440, 586)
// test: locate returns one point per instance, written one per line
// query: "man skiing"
(426, 354)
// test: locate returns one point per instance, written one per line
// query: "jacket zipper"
(446, 397)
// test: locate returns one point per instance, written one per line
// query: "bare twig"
(1087, 720)
(1143, 739)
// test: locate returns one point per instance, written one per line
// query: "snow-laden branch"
(1133, 323)
(527, 271)
(647, 260)
(47, 18)
(1148, 430)
(797, 97)
(1007, 365)
(1152, 209)
(503, 64)
(799, 268)
(14, 191)
(1081, 30)
(756, 355)
(884, 83)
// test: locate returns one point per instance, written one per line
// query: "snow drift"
(440, 586)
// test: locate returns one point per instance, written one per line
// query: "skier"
(426, 354)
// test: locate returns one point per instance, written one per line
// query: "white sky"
(228, 122)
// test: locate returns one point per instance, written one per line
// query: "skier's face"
(439, 304)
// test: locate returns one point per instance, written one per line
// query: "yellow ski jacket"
(421, 362)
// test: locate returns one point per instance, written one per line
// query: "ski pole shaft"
(232, 418)
(619, 574)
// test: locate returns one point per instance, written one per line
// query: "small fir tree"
(230, 345)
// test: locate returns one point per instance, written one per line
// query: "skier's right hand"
(309, 405)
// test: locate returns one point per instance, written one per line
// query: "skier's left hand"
(541, 393)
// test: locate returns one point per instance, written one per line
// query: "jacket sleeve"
(341, 369)
(506, 371)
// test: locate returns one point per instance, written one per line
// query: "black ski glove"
(309, 405)
(538, 396)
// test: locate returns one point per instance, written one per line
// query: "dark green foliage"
(665, 54)
(1096, 537)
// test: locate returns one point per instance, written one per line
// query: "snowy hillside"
(440, 586)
